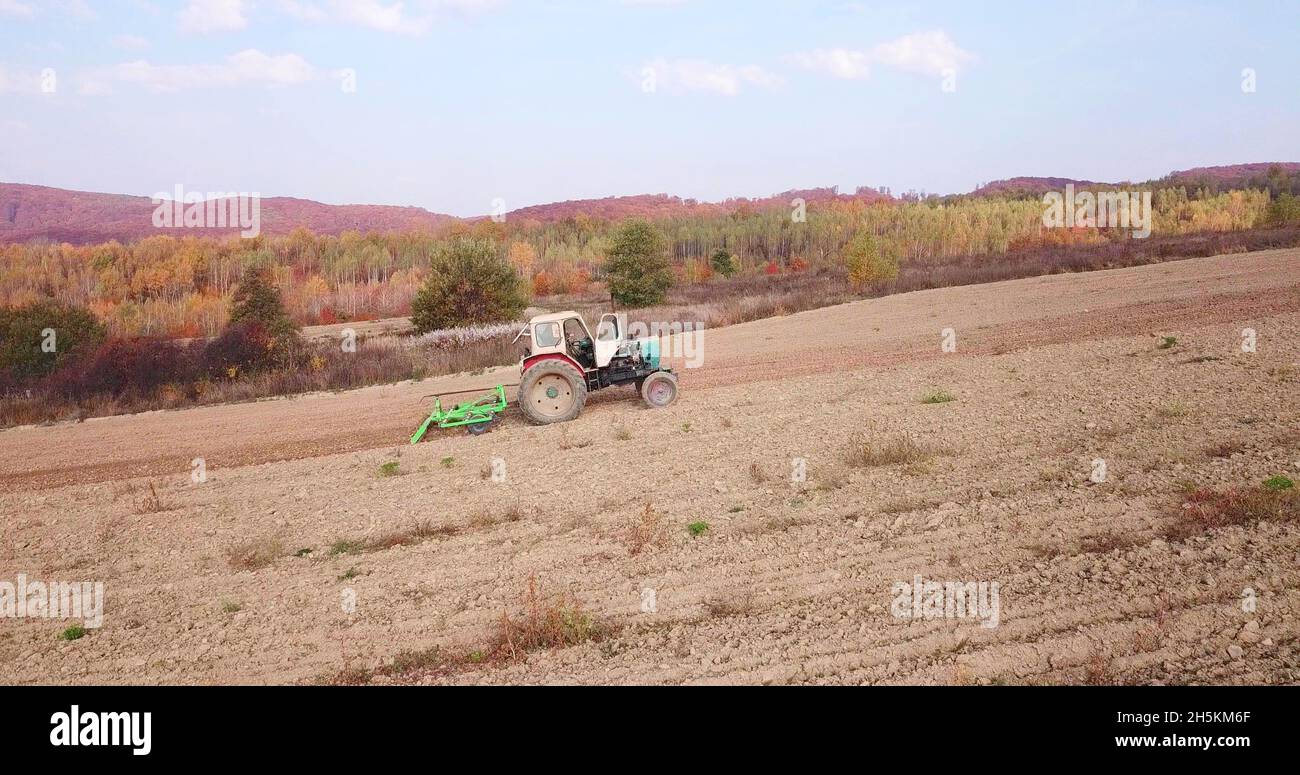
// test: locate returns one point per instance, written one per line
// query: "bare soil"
(792, 581)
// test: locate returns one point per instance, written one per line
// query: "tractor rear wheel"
(659, 390)
(552, 391)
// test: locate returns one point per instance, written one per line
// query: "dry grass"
(900, 450)
(1109, 542)
(1204, 509)
(648, 530)
(151, 502)
(1099, 670)
(1226, 448)
(419, 531)
(254, 553)
(543, 623)
(736, 604)
(757, 473)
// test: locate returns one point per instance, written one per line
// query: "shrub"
(637, 265)
(128, 367)
(23, 338)
(1283, 211)
(724, 263)
(247, 347)
(469, 282)
(868, 262)
(257, 300)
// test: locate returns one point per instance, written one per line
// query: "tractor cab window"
(547, 334)
(607, 330)
(574, 331)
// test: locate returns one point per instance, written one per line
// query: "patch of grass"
(254, 553)
(623, 433)
(417, 532)
(346, 546)
(348, 575)
(1173, 409)
(686, 427)
(544, 623)
(1203, 359)
(447, 462)
(938, 397)
(865, 453)
(1167, 342)
(1109, 542)
(735, 509)
(1099, 669)
(729, 605)
(1226, 448)
(152, 502)
(757, 473)
(231, 607)
(1278, 483)
(305, 551)
(646, 531)
(566, 444)
(1203, 509)
(698, 529)
(391, 468)
(73, 632)
(726, 422)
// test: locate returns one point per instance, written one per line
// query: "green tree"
(469, 282)
(868, 261)
(257, 300)
(637, 265)
(1283, 210)
(724, 263)
(38, 338)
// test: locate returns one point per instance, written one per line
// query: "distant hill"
(1229, 176)
(30, 212)
(79, 217)
(654, 206)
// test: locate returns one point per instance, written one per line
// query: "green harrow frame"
(476, 415)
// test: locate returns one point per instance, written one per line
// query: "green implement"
(476, 415)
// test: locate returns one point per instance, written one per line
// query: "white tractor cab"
(563, 362)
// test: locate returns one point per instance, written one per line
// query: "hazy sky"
(460, 102)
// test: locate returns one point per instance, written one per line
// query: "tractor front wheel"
(552, 391)
(659, 390)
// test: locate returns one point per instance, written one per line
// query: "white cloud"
(838, 62)
(395, 16)
(386, 17)
(213, 16)
(16, 9)
(928, 53)
(250, 67)
(19, 81)
(678, 76)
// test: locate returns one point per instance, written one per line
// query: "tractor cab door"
(609, 335)
(578, 342)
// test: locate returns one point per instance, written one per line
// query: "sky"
(470, 106)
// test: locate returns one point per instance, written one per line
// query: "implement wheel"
(659, 390)
(552, 391)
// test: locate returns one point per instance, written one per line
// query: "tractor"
(563, 362)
